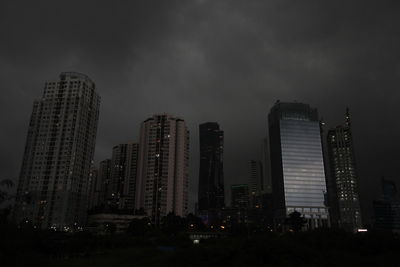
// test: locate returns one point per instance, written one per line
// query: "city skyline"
(193, 197)
(238, 58)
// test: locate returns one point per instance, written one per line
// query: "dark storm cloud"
(225, 61)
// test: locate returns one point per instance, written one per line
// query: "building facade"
(266, 166)
(343, 185)
(211, 195)
(240, 196)
(122, 189)
(93, 184)
(52, 188)
(297, 163)
(103, 185)
(163, 171)
(256, 183)
(387, 208)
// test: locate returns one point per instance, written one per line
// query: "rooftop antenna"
(348, 117)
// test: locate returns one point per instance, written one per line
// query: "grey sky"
(226, 61)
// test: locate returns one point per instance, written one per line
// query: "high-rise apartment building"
(297, 163)
(52, 188)
(163, 171)
(211, 174)
(343, 182)
(124, 162)
(129, 183)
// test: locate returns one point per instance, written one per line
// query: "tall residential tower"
(52, 188)
(163, 171)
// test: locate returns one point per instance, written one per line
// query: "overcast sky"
(226, 61)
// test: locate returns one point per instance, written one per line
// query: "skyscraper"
(297, 164)
(343, 184)
(256, 183)
(121, 192)
(163, 171)
(52, 188)
(211, 174)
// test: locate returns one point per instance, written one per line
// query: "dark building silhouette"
(389, 189)
(256, 183)
(93, 186)
(387, 209)
(297, 164)
(53, 183)
(124, 162)
(266, 166)
(211, 175)
(240, 196)
(104, 183)
(343, 182)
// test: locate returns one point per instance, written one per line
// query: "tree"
(5, 185)
(194, 223)
(173, 224)
(110, 227)
(296, 221)
(140, 227)
(140, 212)
(4, 195)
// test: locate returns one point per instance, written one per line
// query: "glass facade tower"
(297, 163)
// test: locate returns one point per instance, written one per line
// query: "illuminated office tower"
(52, 188)
(344, 185)
(163, 171)
(297, 164)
